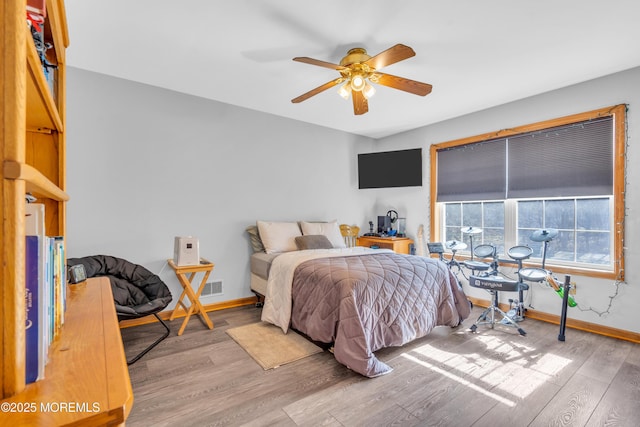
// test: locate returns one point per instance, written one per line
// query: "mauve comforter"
(367, 302)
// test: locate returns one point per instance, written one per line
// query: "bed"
(358, 299)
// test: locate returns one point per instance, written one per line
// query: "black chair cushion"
(137, 292)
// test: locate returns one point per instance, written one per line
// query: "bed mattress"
(260, 267)
(261, 264)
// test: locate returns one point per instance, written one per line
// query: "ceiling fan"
(357, 69)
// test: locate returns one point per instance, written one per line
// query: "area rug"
(269, 346)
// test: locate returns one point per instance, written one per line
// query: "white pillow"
(278, 236)
(329, 229)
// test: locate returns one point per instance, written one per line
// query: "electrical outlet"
(573, 289)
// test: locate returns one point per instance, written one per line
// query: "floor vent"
(212, 288)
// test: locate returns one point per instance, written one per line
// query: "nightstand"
(397, 244)
(195, 307)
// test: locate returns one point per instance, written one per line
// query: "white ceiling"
(475, 53)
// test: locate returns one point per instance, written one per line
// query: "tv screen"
(401, 168)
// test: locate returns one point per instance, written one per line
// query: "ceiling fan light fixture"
(345, 90)
(359, 74)
(368, 90)
(357, 82)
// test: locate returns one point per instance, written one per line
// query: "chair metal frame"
(155, 343)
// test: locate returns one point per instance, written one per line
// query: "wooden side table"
(397, 244)
(195, 307)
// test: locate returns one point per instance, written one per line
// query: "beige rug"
(269, 346)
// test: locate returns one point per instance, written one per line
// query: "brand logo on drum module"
(488, 284)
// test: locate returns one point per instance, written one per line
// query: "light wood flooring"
(450, 378)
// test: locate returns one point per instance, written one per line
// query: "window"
(584, 225)
(565, 174)
(584, 228)
(486, 215)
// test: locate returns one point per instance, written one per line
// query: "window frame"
(618, 113)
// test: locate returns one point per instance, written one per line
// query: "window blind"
(568, 161)
(472, 172)
(574, 160)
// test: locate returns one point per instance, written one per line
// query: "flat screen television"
(385, 169)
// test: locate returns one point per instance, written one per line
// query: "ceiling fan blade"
(317, 62)
(317, 90)
(360, 103)
(407, 85)
(390, 56)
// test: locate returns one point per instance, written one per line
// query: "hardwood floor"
(450, 378)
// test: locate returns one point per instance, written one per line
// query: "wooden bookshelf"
(35, 182)
(32, 146)
(87, 380)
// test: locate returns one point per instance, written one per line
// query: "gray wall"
(592, 294)
(146, 164)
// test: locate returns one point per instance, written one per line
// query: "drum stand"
(471, 231)
(454, 246)
(488, 316)
(518, 316)
(517, 313)
(520, 253)
(544, 235)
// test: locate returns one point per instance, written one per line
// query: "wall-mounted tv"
(385, 169)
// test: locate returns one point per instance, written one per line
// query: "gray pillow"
(313, 241)
(256, 241)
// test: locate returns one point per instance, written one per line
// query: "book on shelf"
(34, 226)
(32, 295)
(59, 281)
(46, 286)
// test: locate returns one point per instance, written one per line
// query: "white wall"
(592, 294)
(145, 164)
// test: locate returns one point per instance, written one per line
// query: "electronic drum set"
(485, 275)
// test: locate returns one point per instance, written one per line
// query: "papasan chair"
(137, 292)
